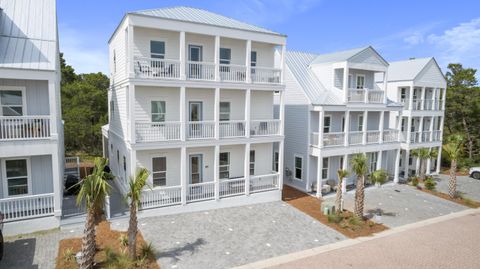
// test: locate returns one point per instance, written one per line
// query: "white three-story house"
(192, 100)
(31, 132)
(420, 86)
(333, 110)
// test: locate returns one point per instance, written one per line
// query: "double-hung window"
(252, 162)
(224, 111)
(157, 49)
(360, 81)
(403, 94)
(225, 58)
(158, 111)
(360, 122)
(224, 165)
(324, 168)
(253, 61)
(373, 161)
(11, 103)
(275, 161)
(298, 167)
(159, 171)
(326, 124)
(16, 172)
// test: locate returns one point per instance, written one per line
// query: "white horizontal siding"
(367, 56)
(117, 47)
(143, 36)
(36, 95)
(261, 105)
(145, 95)
(431, 75)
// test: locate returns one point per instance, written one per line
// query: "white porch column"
(53, 109)
(410, 97)
(319, 175)
(281, 152)
(420, 130)
(345, 167)
(216, 175)
(282, 112)
(183, 112)
(364, 127)
(439, 160)
(397, 166)
(247, 168)
(407, 163)
(248, 61)
(347, 127)
(130, 56)
(422, 104)
(379, 160)
(434, 97)
(429, 165)
(409, 129)
(381, 126)
(321, 123)
(183, 59)
(385, 83)
(183, 174)
(216, 58)
(345, 82)
(216, 111)
(282, 63)
(57, 183)
(247, 112)
(442, 122)
(432, 119)
(417, 165)
(131, 111)
(444, 97)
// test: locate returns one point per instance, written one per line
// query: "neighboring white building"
(31, 130)
(333, 110)
(192, 100)
(420, 86)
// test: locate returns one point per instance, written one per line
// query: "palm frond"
(359, 164)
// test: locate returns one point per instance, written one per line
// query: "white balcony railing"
(333, 139)
(314, 139)
(264, 127)
(390, 136)
(200, 129)
(24, 127)
(232, 129)
(201, 191)
(415, 137)
(233, 73)
(426, 136)
(373, 137)
(232, 187)
(365, 96)
(157, 131)
(156, 68)
(436, 136)
(356, 95)
(263, 182)
(265, 75)
(26, 207)
(375, 96)
(355, 138)
(200, 71)
(164, 196)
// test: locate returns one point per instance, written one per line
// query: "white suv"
(474, 172)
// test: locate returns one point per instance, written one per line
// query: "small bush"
(430, 184)
(117, 261)
(413, 181)
(123, 240)
(334, 218)
(68, 255)
(354, 220)
(147, 251)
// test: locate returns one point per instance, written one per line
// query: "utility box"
(327, 208)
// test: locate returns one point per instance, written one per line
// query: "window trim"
(24, 98)
(295, 156)
(166, 171)
(325, 167)
(356, 81)
(162, 56)
(251, 162)
(158, 113)
(224, 165)
(224, 113)
(5, 179)
(329, 124)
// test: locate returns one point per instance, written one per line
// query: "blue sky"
(447, 30)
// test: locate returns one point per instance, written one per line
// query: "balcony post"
(410, 97)
(397, 166)
(417, 165)
(247, 168)
(321, 122)
(282, 64)
(434, 99)
(385, 83)
(442, 122)
(183, 174)
(364, 127)
(248, 61)
(281, 153)
(319, 175)
(366, 94)
(216, 175)
(439, 160)
(53, 111)
(381, 126)
(444, 97)
(407, 162)
(183, 112)
(57, 183)
(409, 129)
(420, 130)
(379, 160)
(345, 82)
(183, 60)
(347, 128)
(282, 112)
(432, 119)
(216, 112)
(345, 167)
(429, 166)
(247, 113)
(130, 60)
(422, 102)
(217, 58)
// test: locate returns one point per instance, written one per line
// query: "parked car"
(71, 185)
(1, 236)
(474, 172)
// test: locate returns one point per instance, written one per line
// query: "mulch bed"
(311, 206)
(106, 238)
(459, 200)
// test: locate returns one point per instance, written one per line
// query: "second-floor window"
(11, 103)
(360, 81)
(157, 49)
(224, 165)
(159, 171)
(324, 168)
(343, 124)
(360, 122)
(225, 58)
(403, 94)
(224, 111)
(253, 60)
(326, 124)
(158, 111)
(252, 162)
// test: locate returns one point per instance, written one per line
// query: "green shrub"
(354, 220)
(147, 251)
(413, 181)
(117, 260)
(334, 218)
(68, 255)
(123, 240)
(430, 183)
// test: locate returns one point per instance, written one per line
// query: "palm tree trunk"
(423, 168)
(452, 184)
(359, 197)
(88, 241)
(132, 231)
(338, 197)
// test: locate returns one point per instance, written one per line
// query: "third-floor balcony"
(422, 137)
(367, 96)
(337, 139)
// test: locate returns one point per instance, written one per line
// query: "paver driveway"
(466, 185)
(401, 204)
(229, 237)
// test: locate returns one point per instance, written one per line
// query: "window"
(410, 160)
(253, 60)
(326, 124)
(275, 161)
(159, 171)
(114, 61)
(224, 111)
(158, 111)
(16, 172)
(403, 94)
(298, 167)
(11, 103)
(324, 168)
(225, 57)
(118, 158)
(343, 124)
(252, 162)
(360, 122)
(157, 49)
(124, 164)
(341, 163)
(224, 165)
(112, 109)
(373, 161)
(360, 81)
(404, 124)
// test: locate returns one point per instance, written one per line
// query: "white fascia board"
(27, 74)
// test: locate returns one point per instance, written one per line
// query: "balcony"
(26, 207)
(390, 136)
(265, 75)
(424, 104)
(155, 68)
(157, 131)
(24, 128)
(423, 137)
(233, 73)
(355, 138)
(229, 129)
(200, 130)
(366, 96)
(264, 127)
(200, 71)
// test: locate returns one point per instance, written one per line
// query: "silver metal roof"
(338, 56)
(407, 70)
(196, 15)
(28, 34)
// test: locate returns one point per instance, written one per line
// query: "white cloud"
(414, 39)
(85, 53)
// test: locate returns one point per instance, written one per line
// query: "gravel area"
(466, 185)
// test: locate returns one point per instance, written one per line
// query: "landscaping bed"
(345, 223)
(111, 251)
(459, 200)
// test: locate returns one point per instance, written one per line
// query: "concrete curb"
(350, 242)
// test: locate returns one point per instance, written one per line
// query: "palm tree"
(338, 198)
(379, 176)
(453, 149)
(424, 154)
(93, 190)
(360, 168)
(136, 186)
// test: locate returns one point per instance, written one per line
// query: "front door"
(195, 117)
(195, 55)
(196, 168)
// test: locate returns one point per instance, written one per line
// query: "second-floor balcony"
(423, 137)
(424, 104)
(355, 138)
(24, 128)
(367, 96)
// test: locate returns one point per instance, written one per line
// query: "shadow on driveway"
(19, 254)
(176, 253)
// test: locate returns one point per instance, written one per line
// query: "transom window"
(224, 165)
(324, 168)
(159, 171)
(326, 124)
(17, 177)
(252, 162)
(158, 111)
(157, 49)
(11, 103)
(360, 81)
(298, 167)
(224, 111)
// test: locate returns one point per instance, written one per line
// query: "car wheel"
(476, 175)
